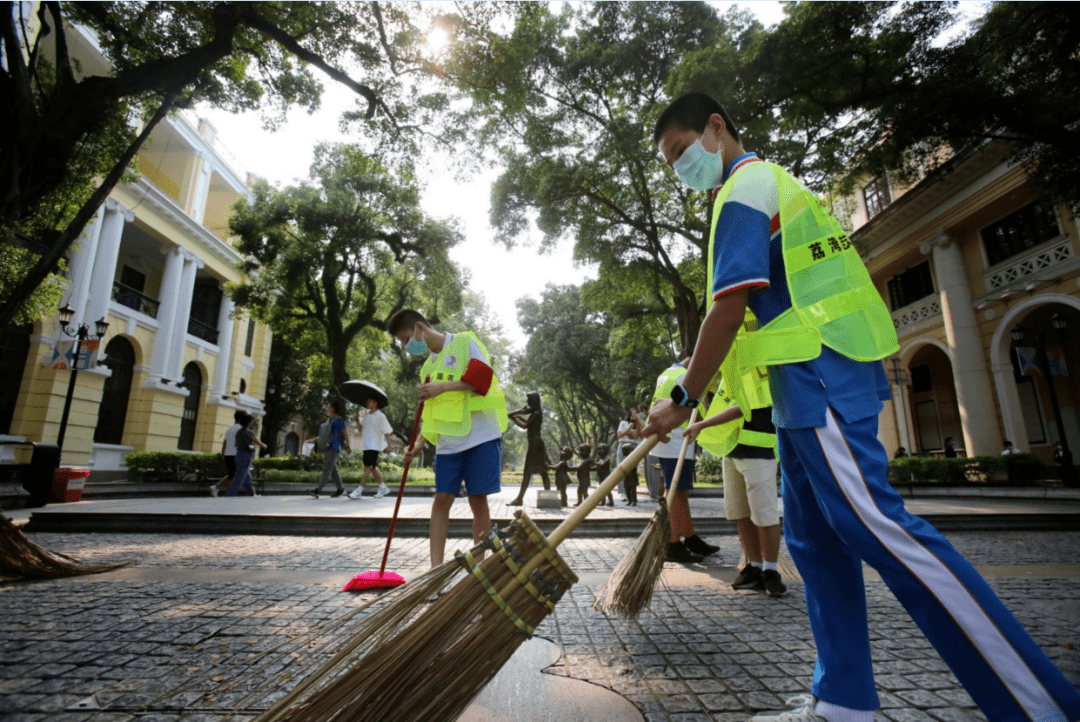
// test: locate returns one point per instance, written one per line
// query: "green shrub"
(1022, 469)
(710, 469)
(172, 465)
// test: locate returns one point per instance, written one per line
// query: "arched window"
(292, 444)
(193, 384)
(120, 358)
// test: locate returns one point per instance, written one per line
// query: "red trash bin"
(68, 483)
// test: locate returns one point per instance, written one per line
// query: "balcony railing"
(1044, 257)
(128, 296)
(198, 329)
(916, 312)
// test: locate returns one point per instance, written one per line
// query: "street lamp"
(82, 333)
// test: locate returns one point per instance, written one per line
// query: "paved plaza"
(185, 631)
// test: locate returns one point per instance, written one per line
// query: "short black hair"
(692, 111)
(238, 416)
(339, 405)
(405, 318)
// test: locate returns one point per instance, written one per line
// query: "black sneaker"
(677, 552)
(313, 493)
(337, 493)
(770, 580)
(749, 578)
(699, 546)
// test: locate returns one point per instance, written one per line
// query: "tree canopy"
(69, 136)
(340, 254)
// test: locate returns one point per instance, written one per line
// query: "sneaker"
(313, 493)
(213, 490)
(677, 552)
(699, 546)
(356, 493)
(337, 493)
(383, 491)
(749, 578)
(770, 580)
(803, 712)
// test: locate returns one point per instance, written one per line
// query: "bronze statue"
(602, 465)
(562, 473)
(584, 470)
(630, 483)
(530, 417)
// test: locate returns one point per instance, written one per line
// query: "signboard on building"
(64, 355)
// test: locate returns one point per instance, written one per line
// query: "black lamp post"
(1067, 471)
(82, 333)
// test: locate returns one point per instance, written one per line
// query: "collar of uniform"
(739, 163)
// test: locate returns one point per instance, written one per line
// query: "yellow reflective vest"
(754, 385)
(665, 382)
(833, 301)
(451, 412)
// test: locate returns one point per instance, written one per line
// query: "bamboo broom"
(21, 558)
(433, 669)
(629, 589)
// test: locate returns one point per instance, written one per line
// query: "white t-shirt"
(623, 426)
(485, 423)
(230, 440)
(671, 449)
(375, 426)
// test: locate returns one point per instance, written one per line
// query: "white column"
(1012, 413)
(970, 376)
(108, 251)
(202, 188)
(174, 368)
(224, 340)
(169, 296)
(81, 267)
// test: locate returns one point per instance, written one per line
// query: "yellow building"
(982, 274)
(175, 364)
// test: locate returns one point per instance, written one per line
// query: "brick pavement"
(198, 607)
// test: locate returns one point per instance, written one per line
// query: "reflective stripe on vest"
(450, 413)
(834, 301)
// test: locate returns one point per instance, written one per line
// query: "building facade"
(178, 360)
(981, 271)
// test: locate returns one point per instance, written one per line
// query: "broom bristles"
(629, 589)
(21, 558)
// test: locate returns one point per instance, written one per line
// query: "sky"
(284, 157)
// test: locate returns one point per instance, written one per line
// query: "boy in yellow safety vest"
(464, 416)
(824, 330)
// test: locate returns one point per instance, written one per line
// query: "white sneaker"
(803, 712)
(355, 494)
(213, 490)
(383, 491)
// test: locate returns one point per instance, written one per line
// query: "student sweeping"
(464, 416)
(824, 331)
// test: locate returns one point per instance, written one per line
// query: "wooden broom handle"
(682, 452)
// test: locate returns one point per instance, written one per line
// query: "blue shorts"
(479, 467)
(686, 478)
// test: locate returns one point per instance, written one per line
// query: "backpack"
(322, 443)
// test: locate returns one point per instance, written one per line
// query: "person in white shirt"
(1010, 449)
(228, 453)
(376, 431)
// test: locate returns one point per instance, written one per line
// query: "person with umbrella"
(376, 431)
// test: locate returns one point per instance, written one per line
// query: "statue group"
(530, 418)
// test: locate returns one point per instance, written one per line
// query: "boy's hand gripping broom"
(433, 668)
(381, 579)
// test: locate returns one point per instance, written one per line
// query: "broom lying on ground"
(433, 669)
(21, 558)
(630, 587)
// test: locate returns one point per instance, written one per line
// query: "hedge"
(172, 465)
(1019, 469)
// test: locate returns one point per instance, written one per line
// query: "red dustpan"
(383, 579)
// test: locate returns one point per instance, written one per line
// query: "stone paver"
(196, 608)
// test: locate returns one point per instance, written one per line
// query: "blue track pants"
(839, 510)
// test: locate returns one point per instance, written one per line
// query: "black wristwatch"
(681, 398)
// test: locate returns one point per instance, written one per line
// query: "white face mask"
(698, 168)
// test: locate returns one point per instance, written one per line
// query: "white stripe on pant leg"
(965, 610)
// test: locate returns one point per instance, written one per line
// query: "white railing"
(1033, 263)
(916, 312)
